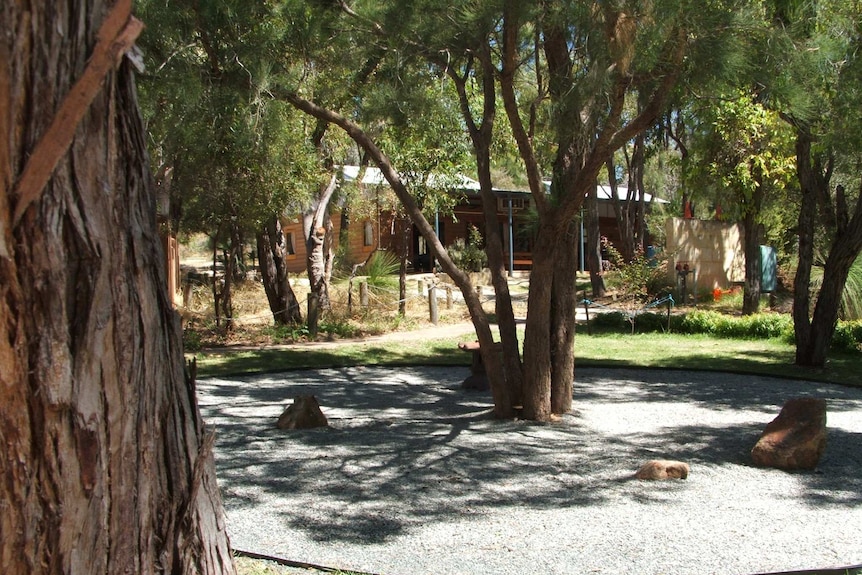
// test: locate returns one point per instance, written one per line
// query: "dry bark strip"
(117, 35)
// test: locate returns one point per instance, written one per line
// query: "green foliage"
(468, 254)
(848, 336)
(851, 296)
(236, 155)
(642, 278)
(754, 326)
(712, 323)
(191, 340)
(288, 333)
(381, 270)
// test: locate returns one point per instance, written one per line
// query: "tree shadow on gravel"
(408, 446)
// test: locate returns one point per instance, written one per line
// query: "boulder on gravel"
(304, 413)
(796, 438)
(658, 469)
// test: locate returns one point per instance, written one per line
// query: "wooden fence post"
(363, 294)
(313, 314)
(432, 304)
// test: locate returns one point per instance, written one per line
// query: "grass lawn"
(654, 350)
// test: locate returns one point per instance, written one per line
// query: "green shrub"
(287, 333)
(191, 340)
(755, 326)
(642, 277)
(611, 321)
(468, 255)
(848, 336)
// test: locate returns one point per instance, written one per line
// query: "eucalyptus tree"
(596, 56)
(814, 73)
(236, 157)
(563, 72)
(743, 163)
(107, 467)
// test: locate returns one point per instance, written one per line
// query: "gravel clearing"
(414, 477)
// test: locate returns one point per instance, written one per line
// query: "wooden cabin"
(385, 230)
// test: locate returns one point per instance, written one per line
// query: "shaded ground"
(414, 477)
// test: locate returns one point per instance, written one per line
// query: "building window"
(288, 240)
(368, 234)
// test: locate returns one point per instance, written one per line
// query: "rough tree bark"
(563, 320)
(106, 465)
(751, 225)
(271, 251)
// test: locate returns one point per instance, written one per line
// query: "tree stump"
(304, 413)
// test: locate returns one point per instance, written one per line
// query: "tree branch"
(510, 103)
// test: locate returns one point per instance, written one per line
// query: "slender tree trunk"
(318, 232)
(640, 233)
(404, 254)
(751, 287)
(751, 224)
(106, 465)
(814, 333)
(511, 357)
(622, 212)
(216, 286)
(594, 245)
(271, 250)
(509, 362)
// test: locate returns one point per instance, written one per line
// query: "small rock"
(796, 438)
(304, 413)
(663, 469)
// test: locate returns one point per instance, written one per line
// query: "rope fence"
(630, 313)
(381, 297)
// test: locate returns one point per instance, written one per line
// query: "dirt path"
(463, 330)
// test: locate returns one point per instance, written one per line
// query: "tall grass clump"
(381, 271)
(851, 296)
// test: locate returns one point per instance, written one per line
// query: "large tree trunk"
(563, 318)
(802, 280)
(537, 334)
(106, 465)
(271, 250)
